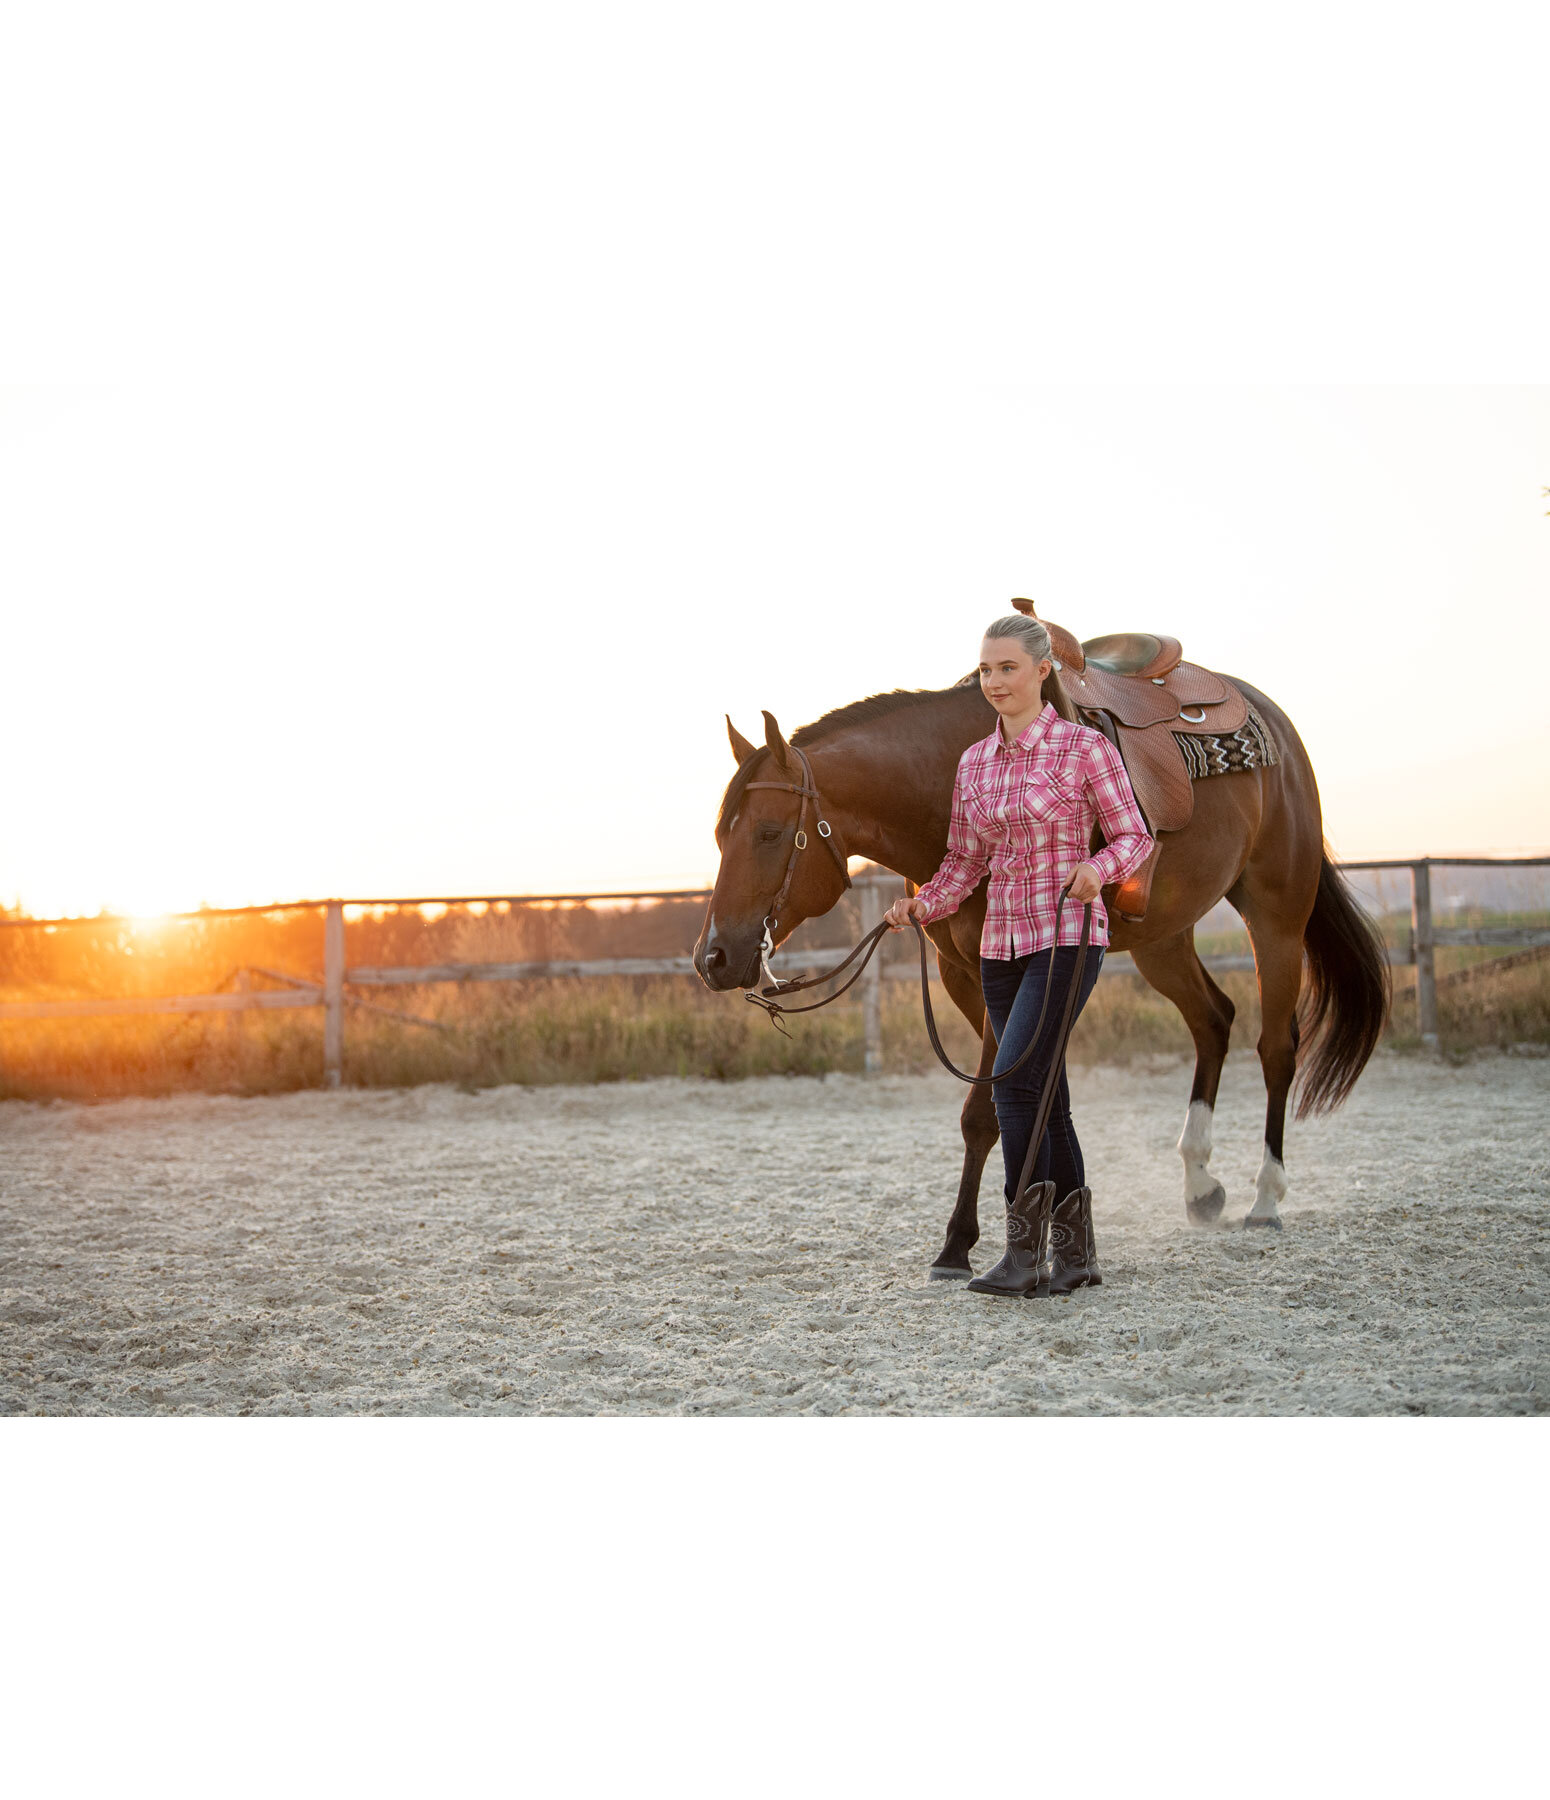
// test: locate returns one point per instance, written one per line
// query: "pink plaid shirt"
(1026, 813)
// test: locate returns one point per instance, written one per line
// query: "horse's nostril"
(715, 959)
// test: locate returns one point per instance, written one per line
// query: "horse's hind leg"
(1173, 968)
(980, 1131)
(1278, 960)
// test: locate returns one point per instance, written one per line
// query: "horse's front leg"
(980, 1131)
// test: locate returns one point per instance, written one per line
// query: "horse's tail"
(1346, 1001)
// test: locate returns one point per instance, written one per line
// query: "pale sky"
(419, 643)
(423, 441)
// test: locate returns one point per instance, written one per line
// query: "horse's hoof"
(942, 1272)
(1273, 1223)
(1208, 1208)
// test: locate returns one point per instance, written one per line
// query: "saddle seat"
(1134, 687)
(1133, 653)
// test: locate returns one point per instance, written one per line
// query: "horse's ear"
(779, 748)
(741, 748)
(1025, 606)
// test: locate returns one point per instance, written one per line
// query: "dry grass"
(1503, 1010)
(541, 1032)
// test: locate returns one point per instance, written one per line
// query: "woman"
(1025, 801)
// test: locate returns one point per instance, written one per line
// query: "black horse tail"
(1346, 999)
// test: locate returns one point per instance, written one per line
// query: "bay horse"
(884, 769)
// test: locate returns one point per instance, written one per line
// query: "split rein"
(770, 997)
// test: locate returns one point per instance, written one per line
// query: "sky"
(414, 449)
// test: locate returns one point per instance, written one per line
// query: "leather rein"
(772, 989)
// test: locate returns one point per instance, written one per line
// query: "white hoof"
(1270, 1187)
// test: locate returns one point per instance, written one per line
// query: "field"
(696, 1246)
(567, 1031)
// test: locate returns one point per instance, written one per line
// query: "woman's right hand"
(905, 908)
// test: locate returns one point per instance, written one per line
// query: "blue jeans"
(1014, 991)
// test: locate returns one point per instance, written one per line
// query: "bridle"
(808, 790)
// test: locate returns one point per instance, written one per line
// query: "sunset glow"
(1334, 546)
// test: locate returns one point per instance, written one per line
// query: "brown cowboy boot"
(1027, 1231)
(1073, 1249)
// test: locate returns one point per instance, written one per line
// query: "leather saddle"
(1135, 688)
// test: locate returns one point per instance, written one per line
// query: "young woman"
(1024, 804)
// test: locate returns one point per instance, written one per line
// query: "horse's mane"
(875, 706)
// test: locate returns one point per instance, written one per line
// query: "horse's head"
(762, 853)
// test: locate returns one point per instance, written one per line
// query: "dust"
(761, 1247)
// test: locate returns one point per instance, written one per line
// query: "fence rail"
(1425, 939)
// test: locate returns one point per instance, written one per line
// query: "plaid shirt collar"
(1030, 734)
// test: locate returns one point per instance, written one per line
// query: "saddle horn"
(1068, 651)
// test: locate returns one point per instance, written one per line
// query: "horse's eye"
(768, 834)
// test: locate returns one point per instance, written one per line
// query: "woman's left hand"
(1084, 883)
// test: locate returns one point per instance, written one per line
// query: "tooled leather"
(1071, 1235)
(1143, 713)
(1019, 1232)
(1127, 645)
(1064, 645)
(1158, 777)
(1138, 702)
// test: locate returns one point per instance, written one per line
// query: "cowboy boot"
(1027, 1228)
(1073, 1249)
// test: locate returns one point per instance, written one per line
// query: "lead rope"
(869, 945)
(1056, 1064)
(768, 998)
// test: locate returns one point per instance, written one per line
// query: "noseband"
(808, 790)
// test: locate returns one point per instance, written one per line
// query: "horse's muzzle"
(724, 963)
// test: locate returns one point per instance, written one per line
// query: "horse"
(883, 770)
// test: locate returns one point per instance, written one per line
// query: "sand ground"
(761, 1247)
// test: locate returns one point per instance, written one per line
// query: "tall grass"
(546, 1031)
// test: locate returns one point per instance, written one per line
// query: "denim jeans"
(1014, 991)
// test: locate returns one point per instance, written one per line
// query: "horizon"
(480, 904)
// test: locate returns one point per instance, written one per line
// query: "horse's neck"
(889, 781)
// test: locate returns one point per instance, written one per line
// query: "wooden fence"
(1425, 939)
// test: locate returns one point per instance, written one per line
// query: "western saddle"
(1136, 690)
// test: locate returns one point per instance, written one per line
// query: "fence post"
(333, 993)
(1424, 950)
(872, 979)
(236, 1020)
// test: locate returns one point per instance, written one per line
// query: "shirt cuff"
(1118, 860)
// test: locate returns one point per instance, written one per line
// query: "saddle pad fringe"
(1250, 747)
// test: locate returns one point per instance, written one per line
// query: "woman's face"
(1009, 677)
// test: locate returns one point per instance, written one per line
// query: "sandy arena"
(761, 1247)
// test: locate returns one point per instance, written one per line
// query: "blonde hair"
(1033, 636)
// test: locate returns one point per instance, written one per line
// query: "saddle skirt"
(1134, 687)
